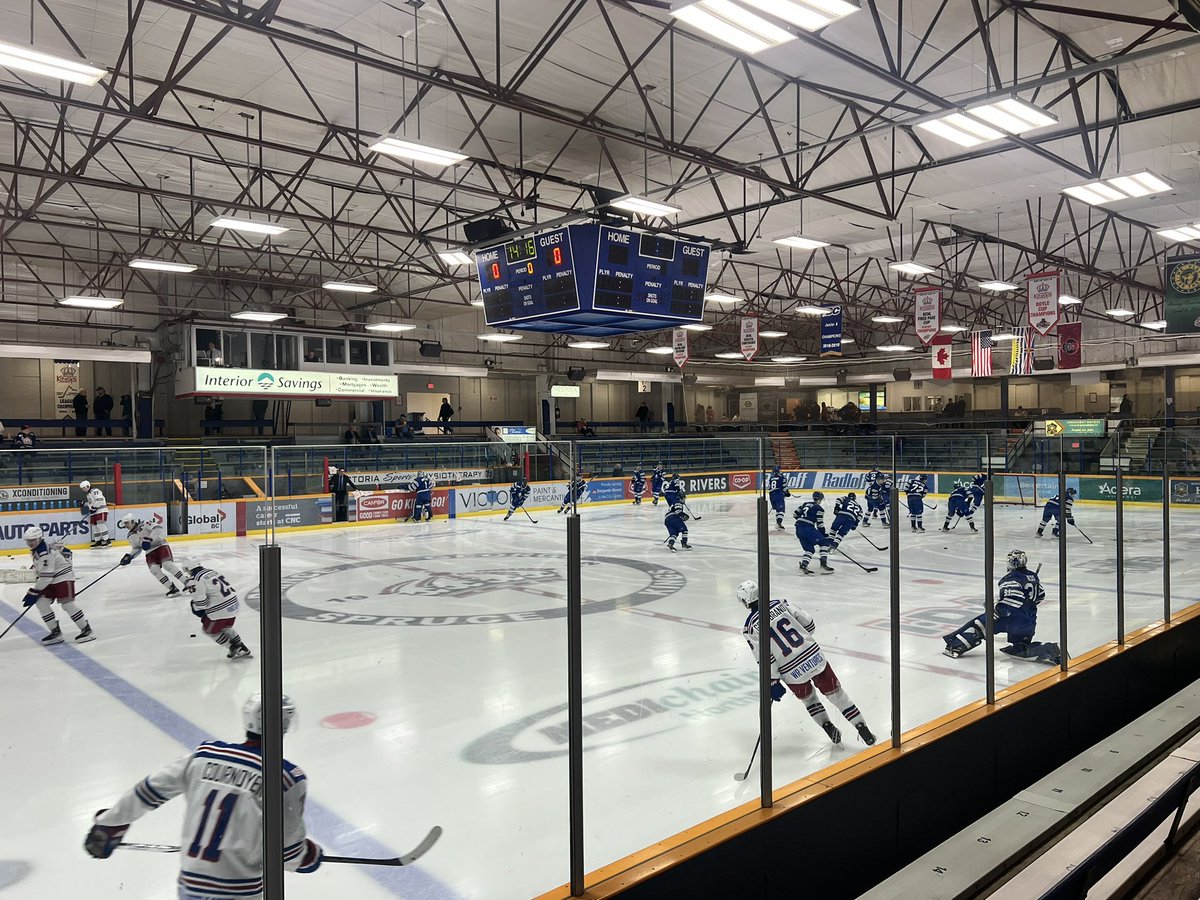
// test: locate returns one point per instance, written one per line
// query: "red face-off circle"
(353, 719)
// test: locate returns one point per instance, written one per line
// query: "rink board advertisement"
(492, 497)
(67, 525)
(1185, 491)
(439, 476)
(399, 505)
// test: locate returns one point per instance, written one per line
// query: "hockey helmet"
(922, 478)
(775, 470)
(879, 478)
(128, 521)
(852, 496)
(191, 566)
(1017, 559)
(33, 536)
(980, 478)
(1071, 492)
(747, 593)
(520, 479)
(85, 485)
(252, 714)
(818, 496)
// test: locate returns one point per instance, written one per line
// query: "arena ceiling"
(266, 110)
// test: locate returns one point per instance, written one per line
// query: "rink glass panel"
(430, 658)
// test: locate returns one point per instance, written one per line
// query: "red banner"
(1070, 345)
(943, 358)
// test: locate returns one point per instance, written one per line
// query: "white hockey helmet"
(1017, 559)
(85, 485)
(190, 565)
(33, 536)
(129, 521)
(747, 593)
(252, 713)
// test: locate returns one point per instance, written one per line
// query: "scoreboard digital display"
(591, 279)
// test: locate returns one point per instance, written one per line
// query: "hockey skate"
(805, 570)
(685, 545)
(779, 524)
(671, 545)
(972, 524)
(920, 526)
(826, 569)
(238, 651)
(865, 733)
(831, 730)
(54, 637)
(173, 592)
(954, 651)
(86, 634)
(107, 542)
(507, 516)
(945, 526)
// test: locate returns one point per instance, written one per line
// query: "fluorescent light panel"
(847, 340)
(588, 345)
(785, 360)
(908, 267)
(390, 326)
(392, 146)
(162, 265)
(1012, 115)
(478, 301)
(250, 315)
(1001, 336)
(91, 302)
(887, 320)
(728, 354)
(455, 258)
(894, 348)
(660, 351)
(26, 59)
(645, 207)
(1118, 187)
(1068, 300)
(350, 287)
(697, 326)
(500, 338)
(1159, 325)
(809, 309)
(997, 285)
(799, 242)
(1119, 312)
(95, 354)
(1181, 234)
(732, 24)
(772, 334)
(953, 329)
(423, 368)
(249, 226)
(718, 297)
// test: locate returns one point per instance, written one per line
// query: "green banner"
(1182, 295)
(1137, 490)
(1076, 427)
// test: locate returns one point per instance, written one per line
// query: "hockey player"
(961, 502)
(151, 538)
(847, 514)
(879, 501)
(672, 490)
(517, 496)
(777, 489)
(810, 531)
(95, 510)
(422, 487)
(637, 485)
(576, 488)
(222, 824)
(1056, 509)
(915, 492)
(977, 489)
(656, 483)
(676, 522)
(1019, 595)
(55, 582)
(215, 602)
(797, 661)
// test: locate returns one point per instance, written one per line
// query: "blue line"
(345, 838)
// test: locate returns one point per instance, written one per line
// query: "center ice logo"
(471, 584)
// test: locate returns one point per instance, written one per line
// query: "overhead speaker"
(691, 378)
(575, 373)
(431, 349)
(485, 230)
(1190, 10)
(1043, 365)
(902, 374)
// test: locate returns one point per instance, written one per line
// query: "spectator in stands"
(312, 356)
(643, 417)
(350, 436)
(403, 429)
(1021, 412)
(850, 413)
(126, 412)
(368, 435)
(1126, 407)
(340, 486)
(699, 418)
(710, 414)
(445, 414)
(24, 439)
(102, 408)
(258, 410)
(80, 405)
(583, 429)
(209, 415)
(218, 414)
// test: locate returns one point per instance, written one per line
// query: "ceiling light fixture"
(887, 320)
(894, 348)
(500, 338)
(1159, 325)
(391, 327)
(997, 285)
(1119, 312)
(908, 267)
(25, 59)
(988, 122)
(785, 360)
(809, 309)
(731, 24)
(847, 340)
(799, 242)
(1180, 234)
(660, 351)
(350, 287)
(162, 265)
(250, 315)
(391, 146)
(697, 326)
(718, 297)
(772, 334)
(1068, 300)
(953, 329)
(961, 129)
(645, 207)
(91, 302)
(249, 226)
(1001, 336)
(1119, 187)
(588, 345)
(478, 301)
(728, 354)
(455, 257)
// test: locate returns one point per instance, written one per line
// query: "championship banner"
(1182, 296)
(927, 313)
(1070, 345)
(943, 358)
(831, 332)
(1042, 301)
(679, 343)
(66, 386)
(749, 337)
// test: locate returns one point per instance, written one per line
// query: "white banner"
(679, 342)
(749, 337)
(287, 383)
(15, 494)
(927, 314)
(1042, 292)
(66, 386)
(748, 407)
(440, 477)
(496, 496)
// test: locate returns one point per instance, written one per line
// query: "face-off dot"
(352, 719)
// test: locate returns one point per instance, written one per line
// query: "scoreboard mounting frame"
(593, 280)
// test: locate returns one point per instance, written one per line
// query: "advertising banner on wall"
(66, 386)
(399, 505)
(203, 518)
(1041, 296)
(255, 515)
(66, 525)
(487, 497)
(927, 314)
(1181, 299)
(1185, 490)
(208, 381)
(29, 494)
(1136, 490)
(439, 476)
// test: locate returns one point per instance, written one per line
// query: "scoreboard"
(593, 280)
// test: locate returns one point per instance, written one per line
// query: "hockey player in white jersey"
(95, 510)
(215, 602)
(222, 852)
(55, 583)
(797, 661)
(150, 537)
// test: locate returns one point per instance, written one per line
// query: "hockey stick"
(1081, 531)
(16, 620)
(688, 510)
(531, 518)
(98, 580)
(406, 860)
(742, 776)
(931, 505)
(871, 542)
(856, 562)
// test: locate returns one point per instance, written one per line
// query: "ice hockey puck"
(193, 635)
(944, 548)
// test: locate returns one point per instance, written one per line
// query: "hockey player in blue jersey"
(879, 500)
(868, 482)
(672, 490)
(637, 485)
(977, 489)
(1055, 509)
(810, 531)
(915, 492)
(422, 486)
(777, 489)
(1019, 594)
(517, 496)
(576, 488)
(656, 483)
(961, 502)
(676, 522)
(847, 514)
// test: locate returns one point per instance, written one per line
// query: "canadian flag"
(942, 357)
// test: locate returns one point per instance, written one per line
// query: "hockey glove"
(787, 493)
(126, 559)
(777, 691)
(102, 840)
(30, 598)
(1070, 520)
(313, 856)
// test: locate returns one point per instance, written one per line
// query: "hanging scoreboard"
(593, 280)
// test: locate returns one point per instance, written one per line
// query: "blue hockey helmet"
(775, 470)
(521, 479)
(980, 479)
(1071, 492)
(852, 496)
(818, 496)
(1017, 559)
(922, 478)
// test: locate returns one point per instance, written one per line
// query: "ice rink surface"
(428, 663)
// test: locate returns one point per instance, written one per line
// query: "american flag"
(1022, 351)
(981, 353)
